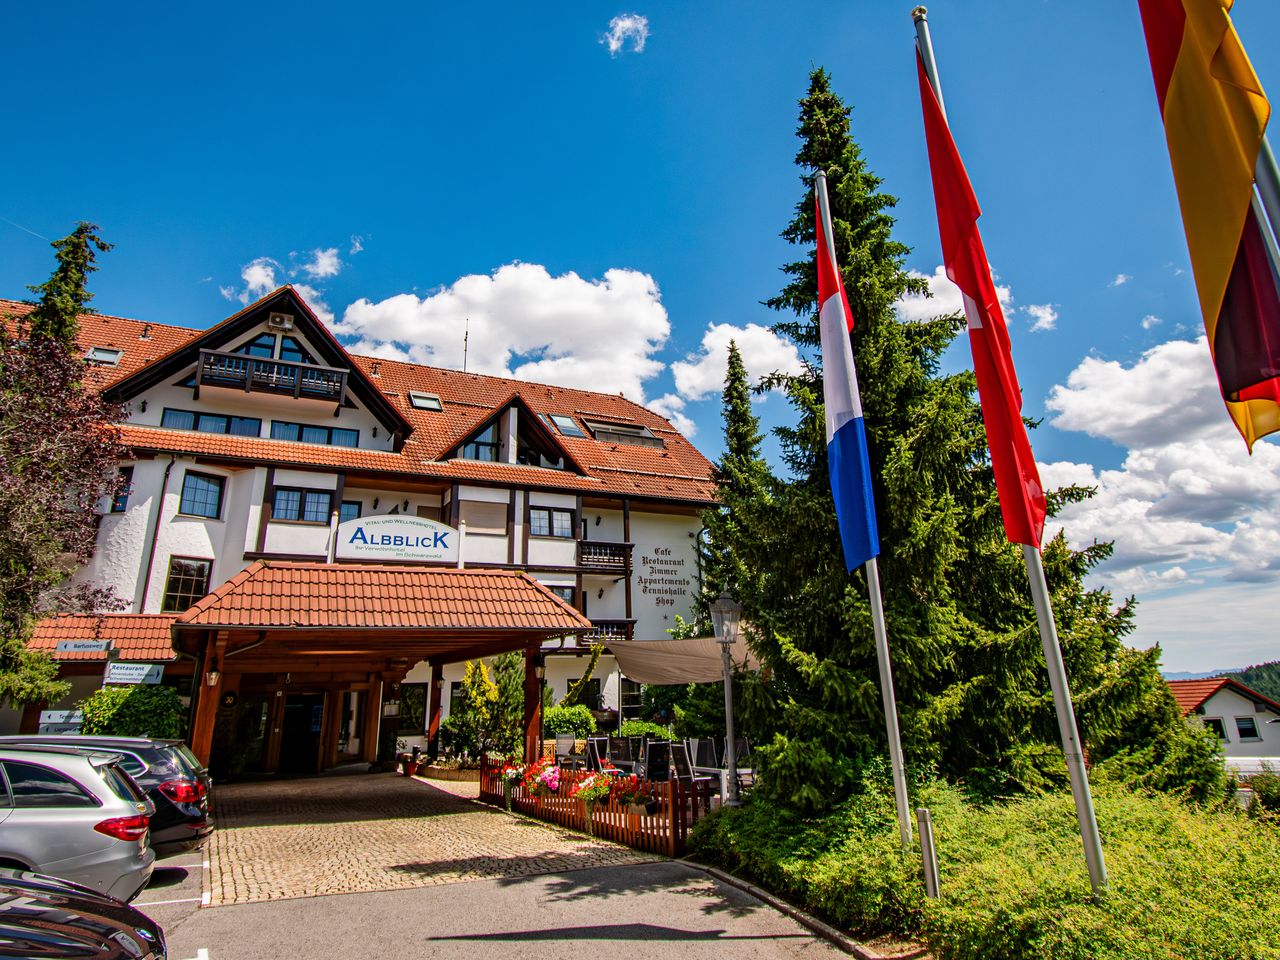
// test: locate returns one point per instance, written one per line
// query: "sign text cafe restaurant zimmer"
(313, 543)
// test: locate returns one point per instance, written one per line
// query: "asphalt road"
(658, 910)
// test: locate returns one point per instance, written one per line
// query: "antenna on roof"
(466, 335)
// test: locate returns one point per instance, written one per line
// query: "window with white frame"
(424, 401)
(106, 356)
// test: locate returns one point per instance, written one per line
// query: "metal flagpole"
(1066, 721)
(1044, 611)
(890, 706)
(877, 609)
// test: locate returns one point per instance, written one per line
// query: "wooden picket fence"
(666, 830)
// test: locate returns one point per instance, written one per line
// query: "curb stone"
(829, 933)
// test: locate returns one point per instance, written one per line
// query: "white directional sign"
(82, 646)
(402, 539)
(60, 721)
(133, 672)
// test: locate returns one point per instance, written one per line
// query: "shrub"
(562, 721)
(1266, 792)
(1185, 881)
(141, 711)
(639, 728)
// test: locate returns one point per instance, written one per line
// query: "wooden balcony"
(605, 557)
(602, 631)
(238, 371)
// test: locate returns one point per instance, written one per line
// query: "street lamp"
(726, 622)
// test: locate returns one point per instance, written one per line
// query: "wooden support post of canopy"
(532, 703)
(369, 726)
(433, 711)
(208, 693)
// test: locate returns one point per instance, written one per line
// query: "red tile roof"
(320, 595)
(678, 472)
(1192, 693)
(137, 636)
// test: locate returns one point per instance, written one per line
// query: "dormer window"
(424, 401)
(105, 356)
(483, 446)
(631, 433)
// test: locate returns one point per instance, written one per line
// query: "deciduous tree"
(59, 448)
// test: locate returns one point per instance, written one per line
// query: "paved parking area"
(365, 833)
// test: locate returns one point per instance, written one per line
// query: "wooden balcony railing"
(605, 556)
(602, 631)
(241, 372)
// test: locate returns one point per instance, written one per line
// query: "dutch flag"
(847, 460)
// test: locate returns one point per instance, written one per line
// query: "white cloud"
(699, 375)
(1217, 627)
(944, 298)
(357, 244)
(1120, 280)
(323, 264)
(671, 406)
(259, 278)
(315, 300)
(1044, 316)
(1150, 320)
(1188, 503)
(524, 322)
(1170, 393)
(626, 26)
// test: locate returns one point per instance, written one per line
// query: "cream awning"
(661, 662)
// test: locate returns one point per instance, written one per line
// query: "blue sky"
(610, 218)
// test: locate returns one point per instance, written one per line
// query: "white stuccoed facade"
(623, 543)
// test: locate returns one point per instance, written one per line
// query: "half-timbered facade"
(261, 440)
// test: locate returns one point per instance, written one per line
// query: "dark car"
(41, 917)
(168, 772)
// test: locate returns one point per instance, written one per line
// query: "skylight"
(424, 401)
(107, 356)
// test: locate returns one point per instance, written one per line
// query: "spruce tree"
(65, 294)
(969, 673)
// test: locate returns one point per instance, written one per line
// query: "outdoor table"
(723, 776)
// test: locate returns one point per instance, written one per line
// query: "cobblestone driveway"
(361, 833)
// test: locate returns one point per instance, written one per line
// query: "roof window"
(631, 433)
(566, 425)
(424, 401)
(107, 356)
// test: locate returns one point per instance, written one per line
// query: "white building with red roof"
(261, 440)
(1247, 723)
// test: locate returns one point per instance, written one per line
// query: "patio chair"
(656, 765)
(682, 770)
(597, 750)
(704, 754)
(620, 750)
(564, 747)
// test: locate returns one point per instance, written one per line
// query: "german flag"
(1215, 114)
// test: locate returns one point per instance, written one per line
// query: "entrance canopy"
(697, 660)
(275, 615)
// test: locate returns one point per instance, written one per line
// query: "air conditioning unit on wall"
(280, 321)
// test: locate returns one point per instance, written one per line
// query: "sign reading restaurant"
(402, 539)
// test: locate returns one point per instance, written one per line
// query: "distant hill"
(1184, 675)
(1264, 678)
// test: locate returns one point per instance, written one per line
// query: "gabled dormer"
(514, 434)
(275, 349)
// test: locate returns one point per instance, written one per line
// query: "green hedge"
(141, 711)
(638, 728)
(577, 720)
(1185, 882)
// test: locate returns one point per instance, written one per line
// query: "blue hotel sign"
(398, 539)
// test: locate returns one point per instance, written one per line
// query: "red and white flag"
(1022, 501)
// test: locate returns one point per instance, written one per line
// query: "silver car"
(75, 815)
